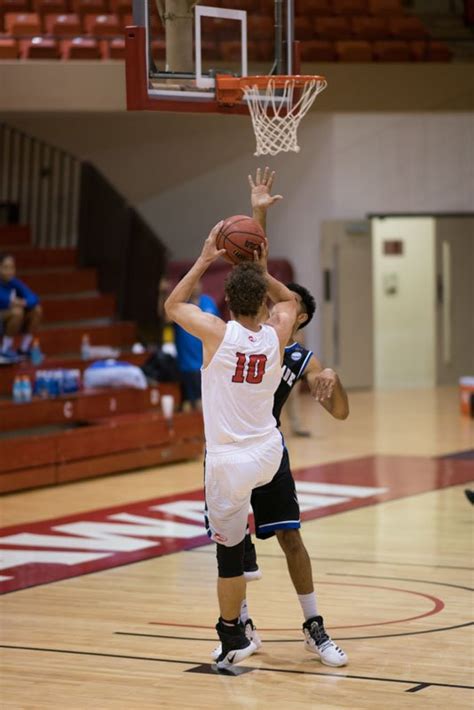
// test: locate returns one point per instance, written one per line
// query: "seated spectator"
(20, 311)
(189, 351)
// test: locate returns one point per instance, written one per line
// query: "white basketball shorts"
(229, 480)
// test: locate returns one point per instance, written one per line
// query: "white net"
(276, 114)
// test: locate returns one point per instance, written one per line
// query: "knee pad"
(230, 560)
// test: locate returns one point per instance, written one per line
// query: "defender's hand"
(260, 189)
(323, 385)
(210, 252)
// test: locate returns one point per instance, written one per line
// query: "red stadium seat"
(354, 51)
(393, 51)
(8, 48)
(16, 6)
(260, 27)
(23, 25)
(116, 48)
(313, 7)
(41, 48)
(102, 25)
(385, 7)
(89, 7)
(370, 28)
(209, 50)
(350, 7)
(50, 7)
(318, 51)
(332, 28)
(121, 7)
(230, 51)
(407, 28)
(430, 52)
(80, 48)
(303, 28)
(126, 21)
(67, 25)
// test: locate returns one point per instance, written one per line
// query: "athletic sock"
(26, 342)
(308, 605)
(6, 343)
(244, 611)
(229, 622)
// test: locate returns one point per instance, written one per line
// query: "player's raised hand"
(210, 252)
(322, 387)
(260, 189)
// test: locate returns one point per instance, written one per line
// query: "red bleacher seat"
(40, 48)
(430, 52)
(116, 48)
(303, 28)
(23, 25)
(230, 50)
(385, 7)
(407, 28)
(50, 7)
(260, 27)
(354, 51)
(121, 7)
(80, 48)
(68, 25)
(318, 51)
(370, 28)
(350, 7)
(393, 51)
(126, 21)
(265, 7)
(102, 25)
(332, 28)
(313, 7)
(8, 48)
(89, 7)
(209, 50)
(12, 6)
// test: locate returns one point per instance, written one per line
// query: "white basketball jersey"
(238, 387)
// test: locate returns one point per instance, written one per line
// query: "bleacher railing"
(44, 182)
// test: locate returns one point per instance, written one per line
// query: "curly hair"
(307, 301)
(246, 289)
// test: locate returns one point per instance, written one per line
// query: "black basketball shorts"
(275, 505)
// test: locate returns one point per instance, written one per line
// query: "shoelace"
(318, 633)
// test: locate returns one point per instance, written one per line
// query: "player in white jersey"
(241, 371)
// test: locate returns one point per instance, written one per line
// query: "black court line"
(399, 579)
(348, 676)
(335, 638)
(342, 559)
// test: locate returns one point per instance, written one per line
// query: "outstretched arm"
(327, 389)
(208, 328)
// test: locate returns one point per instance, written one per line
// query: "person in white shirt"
(242, 363)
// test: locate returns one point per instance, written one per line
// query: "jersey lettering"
(288, 376)
(255, 368)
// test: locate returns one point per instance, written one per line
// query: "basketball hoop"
(277, 105)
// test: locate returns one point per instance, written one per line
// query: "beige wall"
(404, 303)
(183, 172)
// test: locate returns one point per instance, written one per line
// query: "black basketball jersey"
(295, 362)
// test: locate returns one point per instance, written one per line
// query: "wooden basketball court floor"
(389, 531)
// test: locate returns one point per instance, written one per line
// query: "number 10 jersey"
(238, 387)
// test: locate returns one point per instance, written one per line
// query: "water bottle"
(36, 356)
(17, 390)
(40, 388)
(70, 383)
(25, 389)
(86, 347)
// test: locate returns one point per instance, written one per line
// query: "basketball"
(240, 236)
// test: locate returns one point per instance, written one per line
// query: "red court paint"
(38, 553)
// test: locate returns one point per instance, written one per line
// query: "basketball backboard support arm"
(199, 94)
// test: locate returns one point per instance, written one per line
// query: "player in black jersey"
(275, 505)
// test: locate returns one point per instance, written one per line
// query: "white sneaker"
(251, 634)
(318, 641)
(253, 575)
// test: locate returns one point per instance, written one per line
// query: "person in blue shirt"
(20, 310)
(189, 351)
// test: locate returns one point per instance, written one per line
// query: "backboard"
(176, 48)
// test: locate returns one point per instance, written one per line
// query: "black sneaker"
(318, 641)
(469, 495)
(252, 571)
(250, 630)
(235, 645)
